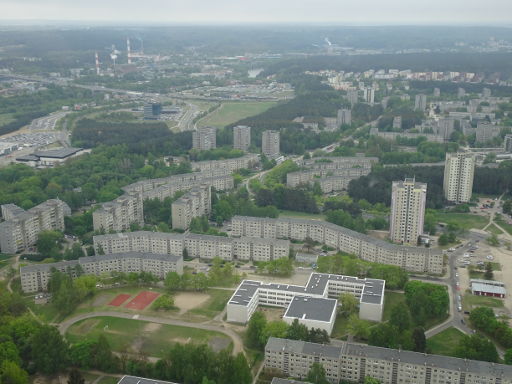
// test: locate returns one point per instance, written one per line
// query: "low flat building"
(34, 278)
(490, 288)
(353, 362)
(51, 157)
(314, 305)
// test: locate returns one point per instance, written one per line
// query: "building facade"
(248, 161)
(242, 137)
(420, 102)
(270, 144)
(314, 304)
(487, 131)
(413, 259)
(21, 228)
(329, 180)
(34, 278)
(507, 143)
(369, 95)
(195, 203)
(408, 200)
(353, 362)
(344, 117)
(459, 170)
(204, 138)
(196, 245)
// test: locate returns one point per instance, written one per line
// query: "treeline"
(215, 154)
(24, 108)
(139, 137)
(484, 319)
(95, 177)
(405, 329)
(350, 265)
(376, 187)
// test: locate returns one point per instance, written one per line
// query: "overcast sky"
(489, 12)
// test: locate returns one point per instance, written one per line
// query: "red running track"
(119, 299)
(142, 300)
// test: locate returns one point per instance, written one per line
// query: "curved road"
(237, 340)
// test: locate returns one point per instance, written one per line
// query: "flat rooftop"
(60, 153)
(311, 308)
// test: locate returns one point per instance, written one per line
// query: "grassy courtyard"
(229, 113)
(142, 337)
(445, 342)
(470, 301)
(463, 220)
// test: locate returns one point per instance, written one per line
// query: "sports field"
(142, 300)
(135, 336)
(119, 299)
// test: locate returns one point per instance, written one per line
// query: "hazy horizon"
(230, 12)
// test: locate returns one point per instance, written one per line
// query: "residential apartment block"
(414, 259)
(313, 305)
(332, 163)
(353, 362)
(248, 161)
(459, 170)
(21, 228)
(420, 102)
(329, 180)
(34, 278)
(201, 246)
(507, 143)
(241, 137)
(196, 202)
(487, 131)
(204, 138)
(408, 200)
(344, 117)
(270, 144)
(119, 214)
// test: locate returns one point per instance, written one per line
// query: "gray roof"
(311, 308)
(277, 380)
(478, 287)
(60, 153)
(141, 380)
(391, 355)
(27, 158)
(48, 266)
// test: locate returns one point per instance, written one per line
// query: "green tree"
(297, 331)
(488, 274)
(172, 281)
(11, 373)
(419, 339)
(508, 357)
(493, 240)
(49, 350)
(357, 327)
(400, 317)
(276, 328)
(316, 374)
(75, 377)
(349, 304)
(477, 347)
(165, 302)
(371, 380)
(49, 243)
(255, 329)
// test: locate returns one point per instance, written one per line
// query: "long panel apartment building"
(339, 162)
(34, 278)
(414, 259)
(247, 161)
(200, 246)
(21, 228)
(313, 305)
(119, 214)
(353, 362)
(329, 180)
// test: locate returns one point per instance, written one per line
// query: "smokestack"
(128, 50)
(97, 63)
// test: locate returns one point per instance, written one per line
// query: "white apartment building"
(459, 170)
(195, 203)
(420, 102)
(196, 245)
(487, 131)
(344, 117)
(204, 138)
(414, 259)
(353, 362)
(242, 137)
(120, 213)
(21, 228)
(329, 180)
(507, 143)
(334, 163)
(407, 211)
(314, 305)
(34, 278)
(369, 95)
(231, 165)
(270, 144)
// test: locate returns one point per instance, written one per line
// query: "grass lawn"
(444, 343)
(464, 220)
(45, 312)
(215, 304)
(470, 301)
(340, 327)
(229, 113)
(507, 227)
(301, 215)
(494, 229)
(134, 336)
(390, 300)
(5, 118)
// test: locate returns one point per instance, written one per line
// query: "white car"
(489, 257)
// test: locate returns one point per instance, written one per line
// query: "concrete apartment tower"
(344, 117)
(407, 211)
(270, 144)
(369, 95)
(420, 103)
(241, 137)
(507, 143)
(204, 138)
(459, 170)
